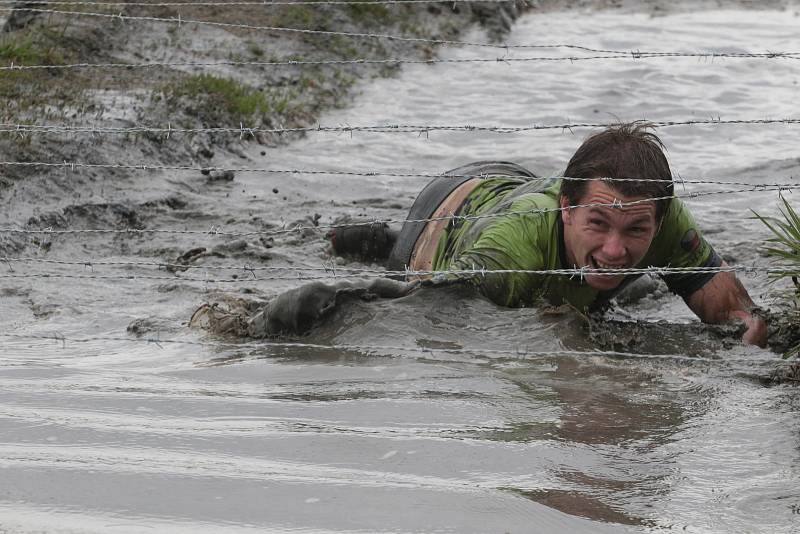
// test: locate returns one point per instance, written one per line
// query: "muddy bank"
(254, 96)
(187, 96)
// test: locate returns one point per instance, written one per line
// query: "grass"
(784, 246)
(24, 93)
(370, 14)
(221, 97)
(26, 52)
(214, 100)
(296, 17)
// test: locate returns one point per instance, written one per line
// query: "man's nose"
(614, 246)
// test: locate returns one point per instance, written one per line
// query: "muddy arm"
(297, 310)
(724, 299)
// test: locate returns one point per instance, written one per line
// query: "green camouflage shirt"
(514, 238)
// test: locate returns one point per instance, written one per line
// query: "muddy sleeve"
(679, 243)
(297, 311)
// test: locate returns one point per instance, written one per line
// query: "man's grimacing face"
(606, 236)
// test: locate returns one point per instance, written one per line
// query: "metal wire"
(244, 131)
(156, 167)
(299, 63)
(217, 231)
(334, 271)
(265, 3)
(359, 35)
(399, 61)
(517, 353)
(331, 272)
(617, 53)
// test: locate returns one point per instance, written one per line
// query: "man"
(614, 211)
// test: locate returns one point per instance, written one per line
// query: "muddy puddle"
(504, 432)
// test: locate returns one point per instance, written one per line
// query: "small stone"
(275, 190)
(221, 176)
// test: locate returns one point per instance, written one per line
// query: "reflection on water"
(471, 425)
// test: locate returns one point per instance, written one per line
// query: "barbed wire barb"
(156, 340)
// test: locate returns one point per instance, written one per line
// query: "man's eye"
(596, 222)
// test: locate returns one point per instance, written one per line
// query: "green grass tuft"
(21, 53)
(784, 245)
(369, 14)
(228, 97)
(28, 51)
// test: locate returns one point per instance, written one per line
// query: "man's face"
(605, 236)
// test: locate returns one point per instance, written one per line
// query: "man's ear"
(565, 212)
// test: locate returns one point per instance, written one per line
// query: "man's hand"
(756, 333)
(723, 299)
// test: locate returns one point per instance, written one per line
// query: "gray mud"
(436, 411)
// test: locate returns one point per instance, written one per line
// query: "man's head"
(607, 236)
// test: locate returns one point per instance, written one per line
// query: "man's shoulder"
(538, 203)
(679, 242)
(677, 219)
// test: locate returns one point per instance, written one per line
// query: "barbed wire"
(399, 61)
(217, 230)
(388, 174)
(635, 55)
(359, 35)
(516, 353)
(264, 3)
(332, 270)
(421, 129)
(297, 63)
(444, 42)
(336, 273)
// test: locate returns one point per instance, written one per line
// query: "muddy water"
(131, 436)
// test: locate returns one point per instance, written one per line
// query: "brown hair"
(626, 150)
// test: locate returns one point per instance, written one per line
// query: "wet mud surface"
(434, 411)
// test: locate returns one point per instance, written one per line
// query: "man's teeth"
(602, 265)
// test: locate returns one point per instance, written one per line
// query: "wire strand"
(444, 42)
(336, 273)
(300, 63)
(388, 174)
(400, 61)
(517, 353)
(265, 3)
(430, 61)
(217, 231)
(91, 263)
(421, 129)
(359, 35)
(336, 270)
